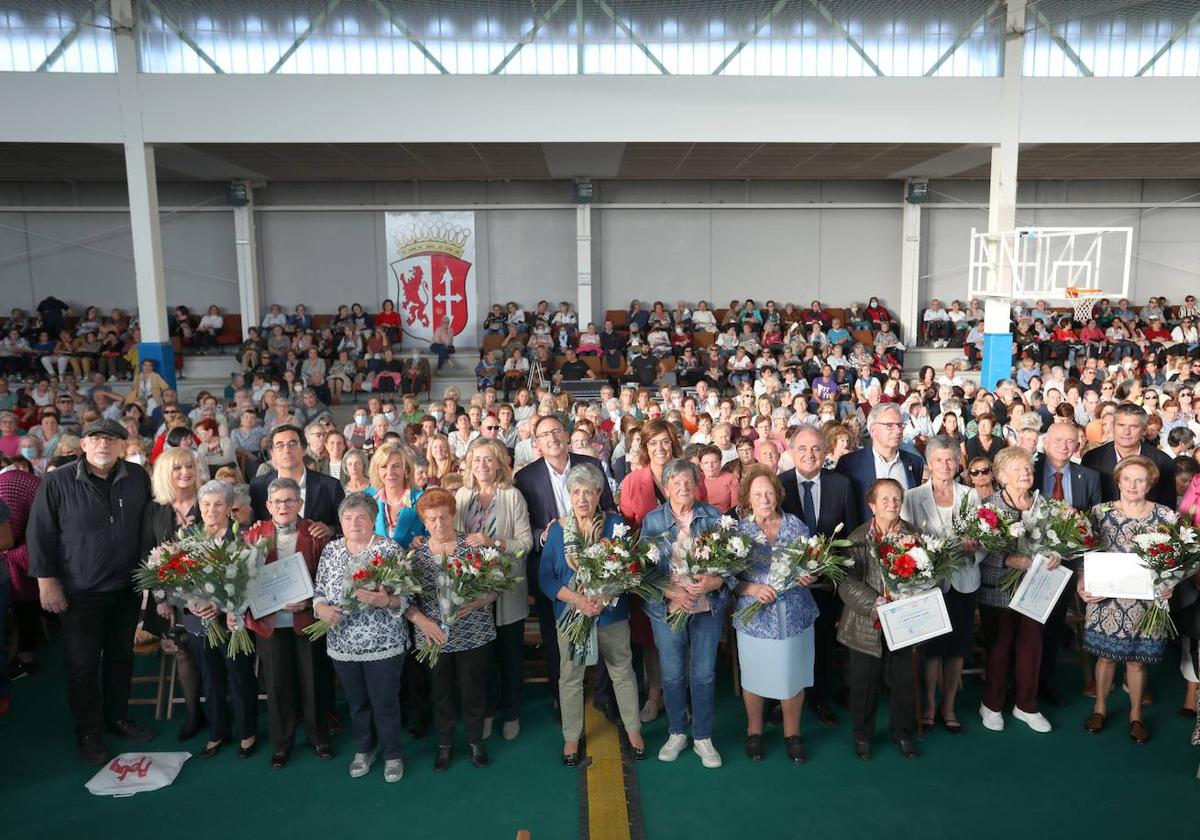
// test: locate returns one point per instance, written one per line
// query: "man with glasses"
(320, 495)
(883, 458)
(83, 541)
(296, 670)
(489, 427)
(1055, 475)
(543, 483)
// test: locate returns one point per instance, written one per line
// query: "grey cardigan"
(921, 510)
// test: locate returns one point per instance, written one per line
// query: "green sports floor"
(980, 785)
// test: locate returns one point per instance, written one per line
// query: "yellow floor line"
(608, 814)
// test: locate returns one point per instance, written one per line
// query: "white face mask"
(137, 458)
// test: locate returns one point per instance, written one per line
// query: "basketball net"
(1085, 302)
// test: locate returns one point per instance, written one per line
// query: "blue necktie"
(810, 512)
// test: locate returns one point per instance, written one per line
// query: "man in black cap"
(83, 542)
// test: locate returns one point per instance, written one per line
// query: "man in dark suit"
(1054, 475)
(321, 493)
(822, 500)
(1129, 424)
(882, 459)
(543, 483)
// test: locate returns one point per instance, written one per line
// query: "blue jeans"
(688, 660)
(442, 352)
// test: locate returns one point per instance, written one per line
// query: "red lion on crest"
(415, 304)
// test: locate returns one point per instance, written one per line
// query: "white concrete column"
(583, 263)
(143, 198)
(1002, 196)
(910, 272)
(246, 242)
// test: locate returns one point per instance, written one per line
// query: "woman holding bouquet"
(219, 672)
(862, 591)
(173, 485)
(462, 669)
(1111, 632)
(688, 656)
(932, 508)
(775, 647)
(1012, 641)
(366, 645)
(492, 513)
(567, 537)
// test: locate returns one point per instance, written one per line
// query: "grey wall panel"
(16, 279)
(82, 258)
(650, 253)
(945, 244)
(765, 254)
(531, 256)
(860, 256)
(320, 259)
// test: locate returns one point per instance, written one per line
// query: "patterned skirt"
(1110, 631)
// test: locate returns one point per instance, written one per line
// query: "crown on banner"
(440, 237)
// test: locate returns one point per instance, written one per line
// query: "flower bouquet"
(913, 563)
(1171, 553)
(815, 556)
(987, 525)
(480, 572)
(722, 552)
(607, 569)
(216, 571)
(1054, 529)
(391, 570)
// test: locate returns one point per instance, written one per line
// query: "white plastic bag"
(134, 772)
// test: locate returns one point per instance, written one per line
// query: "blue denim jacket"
(794, 611)
(660, 527)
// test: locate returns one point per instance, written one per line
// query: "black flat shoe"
(192, 726)
(131, 730)
(323, 752)
(442, 760)
(479, 756)
(209, 752)
(795, 749)
(862, 749)
(246, 752)
(280, 759)
(952, 726)
(754, 747)
(1185, 712)
(570, 759)
(906, 747)
(825, 715)
(92, 750)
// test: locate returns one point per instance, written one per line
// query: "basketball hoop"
(1085, 302)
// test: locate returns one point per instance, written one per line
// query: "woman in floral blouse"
(367, 645)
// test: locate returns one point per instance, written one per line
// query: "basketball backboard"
(1053, 264)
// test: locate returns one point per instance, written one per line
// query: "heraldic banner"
(431, 260)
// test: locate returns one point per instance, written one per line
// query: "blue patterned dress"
(775, 648)
(1110, 626)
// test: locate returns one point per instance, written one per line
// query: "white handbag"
(134, 772)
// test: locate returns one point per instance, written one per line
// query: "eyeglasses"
(170, 413)
(285, 444)
(549, 433)
(980, 471)
(890, 425)
(283, 501)
(491, 428)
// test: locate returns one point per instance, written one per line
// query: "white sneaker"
(709, 756)
(1036, 721)
(674, 746)
(487, 727)
(393, 770)
(992, 720)
(512, 728)
(361, 765)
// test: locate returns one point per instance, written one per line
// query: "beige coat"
(512, 526)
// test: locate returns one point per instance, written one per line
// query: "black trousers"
(547, 626)
(98, 632)
(508, 679)
(866, 681)
(460, 680)
(299, 680)
(826, 650)
(220, 677)
(414, 694)
(1052, 637)
(373, 692)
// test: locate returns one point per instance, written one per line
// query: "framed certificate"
(286, 581)
(1039, 590)
(911, 621)
(1112, 574)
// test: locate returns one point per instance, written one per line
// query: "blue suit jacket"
(859, 467)
(1085, 484)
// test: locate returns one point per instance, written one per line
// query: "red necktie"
(1058, 491)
